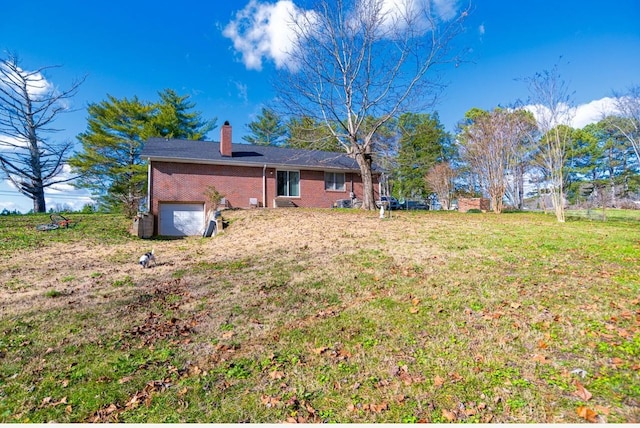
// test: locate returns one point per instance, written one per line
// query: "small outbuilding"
(466, 204)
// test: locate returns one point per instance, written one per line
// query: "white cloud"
(36, 83)
(68, 202)
(263, 31)
(65, 187)
(11, 143)
(547, 119)
(446, 9)
(593, 112)
(481, 29)
(581, 115)
(11, 206)
(398, 14)
(240, 90)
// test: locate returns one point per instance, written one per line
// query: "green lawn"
(324, 316)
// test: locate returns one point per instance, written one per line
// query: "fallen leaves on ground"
(463, 411)
(616, 362)
(404, 375)
(438, 381)
(48, 401)
(269, 401)
(581, 392)
(492, 315)
(300, 411)
(449, 416)
(337, 352)
(155, 326)
(369, 407)
(587, 413)
(455, 377)
(328, 312)
(112, 411)
(542, 359)
(276, 375)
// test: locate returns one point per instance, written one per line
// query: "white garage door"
(181, 219)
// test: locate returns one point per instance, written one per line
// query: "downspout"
(149, 187)
(264, 186)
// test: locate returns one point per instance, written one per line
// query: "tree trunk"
(558, 203)
(496, 201)
(364, 162)
(613, 192)
(39, 205)
(520, 186)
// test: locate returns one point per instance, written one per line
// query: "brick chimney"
(225, 139)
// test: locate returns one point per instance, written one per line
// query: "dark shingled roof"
(161, 149)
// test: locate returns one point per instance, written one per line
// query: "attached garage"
(180, 219)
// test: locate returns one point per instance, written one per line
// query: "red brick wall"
(466, 204)
(186, 182)
(225, 140)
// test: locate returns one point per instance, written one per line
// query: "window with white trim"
(334, 181)
(288, 183)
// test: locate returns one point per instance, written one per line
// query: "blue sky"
(138, 48)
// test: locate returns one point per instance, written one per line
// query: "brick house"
(247, 175)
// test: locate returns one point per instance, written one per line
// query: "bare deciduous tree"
(550, 102)
(354, 60)
(28, 106)
(628, 106)
(440, 179)
(489, 143)
(524, 125)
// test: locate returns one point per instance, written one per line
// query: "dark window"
(334, 181)
(288, 183)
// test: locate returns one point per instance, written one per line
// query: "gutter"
(315, 167)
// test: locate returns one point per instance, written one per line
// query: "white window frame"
(288, 185)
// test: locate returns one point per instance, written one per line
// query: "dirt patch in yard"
(244, 285)
(80, 275)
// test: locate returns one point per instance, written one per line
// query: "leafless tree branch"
(356, 60)
(553, 109)
(628, 106)
(29, 104)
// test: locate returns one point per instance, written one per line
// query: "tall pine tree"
(307, 133)
(109, 164)
(266, 130)
(422, 144)
(175, 118)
